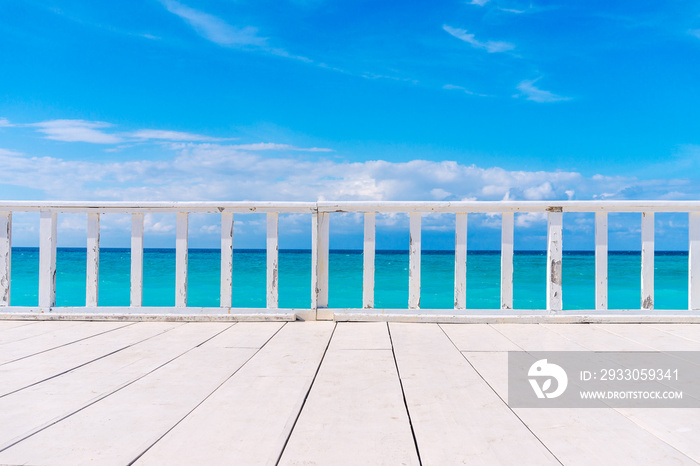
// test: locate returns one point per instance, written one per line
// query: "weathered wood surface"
(315, 393)
(355, 408)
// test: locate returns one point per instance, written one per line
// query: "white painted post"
(368, 261)
(47, 259)
(314, 261)
(93, 260)
(694, 261)
(461, 261)
(136, 260)
(414, 261)
(555, 223)
(323, 244)
(5, 257)
(181, 246)
(272, 260)
(507, 224)
(226, 295)
(601, 261)
(648, 260)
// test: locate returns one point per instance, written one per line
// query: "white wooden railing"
(320, 214)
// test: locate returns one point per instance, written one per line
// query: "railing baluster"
(93, 260)
(555, 222)
(136, 260)
(368, 261)
(323, 237)
(648, 260)
(226, 295)
(414, 261)
(5, 257)
(181, 246)
(314, 261)
(507, 223)
(47, 259)
(272, 260)
(601, 261)
(461, 261)
(694, 261)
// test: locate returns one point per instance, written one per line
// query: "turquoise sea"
(391, 280)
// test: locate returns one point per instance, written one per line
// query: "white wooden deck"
(315, 393)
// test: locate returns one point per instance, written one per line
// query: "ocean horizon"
(345, 278)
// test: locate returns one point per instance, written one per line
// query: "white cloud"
(171, 136)
(77, 131)
(479, 2)
(215, 29)
(4, 122)
(530, 92)
(9, 152)
(489, 46)
(94, 132)
(453, 87)
(278, 147)
(222, 172)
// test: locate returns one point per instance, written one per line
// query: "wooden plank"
(181, 250)
(355, 408)
(226, 299)
(368, 261)
(652, 338)
(5, 257)
(248, 420)
(570, 432)
(145, 410)
(478, 337)
(446, 397)
(47, 259)
(648, 260)
(507, 224)
(601, 261)
(20, 330)
(414, 261)
(461, 261)
(694, 261)
(272, 260)
(536, 337)
(40, 367)
(57, 335)
(555, 223)
(28, 411)
(136, 298)
(93, 260)
(676, 427)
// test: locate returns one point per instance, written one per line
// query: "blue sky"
(321, 99)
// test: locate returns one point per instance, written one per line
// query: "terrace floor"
(315, 393)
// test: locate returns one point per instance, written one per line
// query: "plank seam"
(88, 362)
(210, 394)
(100, 398)
(499, 396)
(403, 395)
(306, 396)
(65, 344)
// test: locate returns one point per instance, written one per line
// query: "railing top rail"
(351, 206)
(158, 207)
(510, 206)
